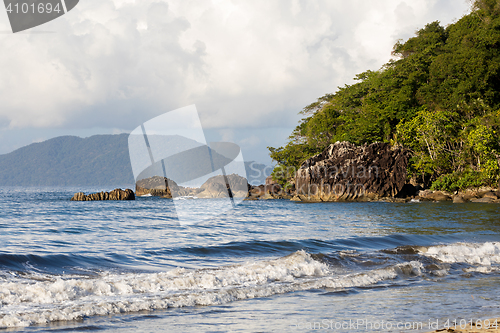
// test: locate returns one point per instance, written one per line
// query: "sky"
(108, 66)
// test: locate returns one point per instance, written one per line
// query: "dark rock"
(346, 172)
(408, 190)
(273, 191)
(116, 194)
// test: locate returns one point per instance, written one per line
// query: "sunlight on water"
(134, 264)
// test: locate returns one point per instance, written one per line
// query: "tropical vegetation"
(439, 97)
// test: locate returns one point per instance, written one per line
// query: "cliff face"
(345, 171)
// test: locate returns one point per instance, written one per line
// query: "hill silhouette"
(100, 160)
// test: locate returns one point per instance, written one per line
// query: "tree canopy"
(439, 97)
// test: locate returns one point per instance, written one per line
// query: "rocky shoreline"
(343, 172)
(481, 195)
(275, 192)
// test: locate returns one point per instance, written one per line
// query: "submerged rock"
(116, 194)
(346, 172)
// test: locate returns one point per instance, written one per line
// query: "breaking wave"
(40, 299)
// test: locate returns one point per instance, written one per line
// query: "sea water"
(275, 265)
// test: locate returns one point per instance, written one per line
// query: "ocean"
(276, 265)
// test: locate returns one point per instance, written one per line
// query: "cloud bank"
(253, 64)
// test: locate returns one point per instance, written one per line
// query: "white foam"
(186, 197)
(38, 302)
(483, 254)
(146, 195)
(481, 269)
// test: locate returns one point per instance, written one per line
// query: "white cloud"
(116, 64)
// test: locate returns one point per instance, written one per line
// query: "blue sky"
(249, 66)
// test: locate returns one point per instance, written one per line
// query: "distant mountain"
(69, 161)
(100, 160)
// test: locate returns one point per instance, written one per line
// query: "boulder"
(116, 194)
(438, 196)
(298, 197)
(428, 195)
(484, 200)
(215, 187)
(458, 199)
(423, 198)
(469, 196)
(346, 172)
(224, 186)
(491, 195)
(156, 186)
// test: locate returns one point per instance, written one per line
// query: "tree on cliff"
(439, 97)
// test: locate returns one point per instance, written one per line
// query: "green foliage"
(458, 181)
(282, 174)
(440, 98)
(446, 183)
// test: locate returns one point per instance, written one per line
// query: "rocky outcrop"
(346, 172)
(483, 195)
(156, 186)
(265, 192)
(428, 195)
(117, 194)
(215, 187)
(224, 186)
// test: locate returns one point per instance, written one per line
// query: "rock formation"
(117, 194)
(214, 187)
(346, 172)
(156, 186)
(269, 191)
(223, 187)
